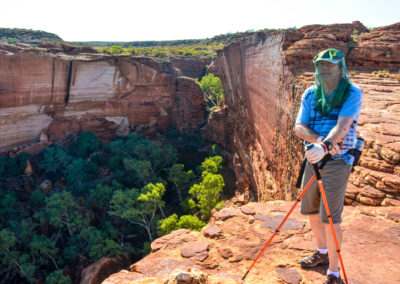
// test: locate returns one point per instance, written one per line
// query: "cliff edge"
(224, 250)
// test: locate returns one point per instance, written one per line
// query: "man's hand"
(316, 152)
(336, 147)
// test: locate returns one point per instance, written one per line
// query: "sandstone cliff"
(264, 76)
(57, 90)
(191, 66)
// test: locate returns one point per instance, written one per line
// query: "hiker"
(327, 121)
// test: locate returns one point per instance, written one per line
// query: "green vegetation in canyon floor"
(85, 199)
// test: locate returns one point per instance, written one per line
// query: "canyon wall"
(56, 91)
(191, 66)
(264, 76)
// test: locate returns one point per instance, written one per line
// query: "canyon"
(52, 91)
(264, 76)
(49, 92)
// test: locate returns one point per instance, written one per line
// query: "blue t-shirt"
(324, 124)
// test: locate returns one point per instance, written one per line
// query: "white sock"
(323, 251)
(336, 274)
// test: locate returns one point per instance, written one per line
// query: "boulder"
(101, 269)
(46, 186)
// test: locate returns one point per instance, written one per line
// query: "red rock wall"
(256, 90)
(64, 94)
(264, 76)
(191, 66)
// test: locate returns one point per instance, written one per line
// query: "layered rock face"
(191, 66)
(264, 76)
(224, 250)
(46, 90)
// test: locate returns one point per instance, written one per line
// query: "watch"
(328, 145)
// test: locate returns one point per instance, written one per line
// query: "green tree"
(190, 222)
(7, 204)
(152, 194)
(38, 198)
(167, 225)
(139, 207)
(102, 194)
(212, 164)
(57, 277)
(61, 211)
(172, 223)
(79, 171)
(131, 50)
(207, 193)
(212, 90)
(55, 158)
(12, 260)
(142, 169)
(13, 166)
(42, 248)
(116, 49)
(180, 178)
(86, 144)
(7, 241)
(104, 247)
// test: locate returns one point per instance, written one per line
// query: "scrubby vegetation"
(26, 36)
(164, 52)
(101, 199)
(382, 73)
(165, 49)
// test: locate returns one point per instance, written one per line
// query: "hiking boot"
(314, 260)
(332, 279)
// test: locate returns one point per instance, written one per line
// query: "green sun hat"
(325, 105)
(332, 55)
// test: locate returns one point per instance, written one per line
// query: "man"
(328, 119)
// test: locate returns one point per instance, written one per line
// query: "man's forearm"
(340, 130)
(306, 133)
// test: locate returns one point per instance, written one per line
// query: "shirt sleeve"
(304, 112)
(352, 106)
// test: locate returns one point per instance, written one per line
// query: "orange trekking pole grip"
(328, 213)
(287, 216)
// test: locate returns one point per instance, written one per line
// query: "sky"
(123, 20)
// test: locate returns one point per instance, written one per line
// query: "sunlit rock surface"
(371, 239)
(51, 90)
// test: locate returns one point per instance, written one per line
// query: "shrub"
(87, 143)
(100, 160)
(13, 167)
(116, 49)
(80, 170)
(212, 90)
(55, 158)
(207, 193)
(37, 198)
(172, 223)
(220, 205)
(57, 277)
(382, 73)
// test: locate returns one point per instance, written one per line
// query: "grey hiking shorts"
(335, 176)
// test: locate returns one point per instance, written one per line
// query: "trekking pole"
(324, 161)
(328, 213)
